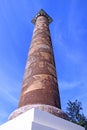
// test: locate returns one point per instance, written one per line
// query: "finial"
(42, 13)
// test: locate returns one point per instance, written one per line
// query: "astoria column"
(40, 87)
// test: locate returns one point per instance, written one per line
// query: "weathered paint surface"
(40, 86)
(40, 82)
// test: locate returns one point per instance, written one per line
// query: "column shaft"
(40, 82)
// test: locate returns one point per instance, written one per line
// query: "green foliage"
(74, 113)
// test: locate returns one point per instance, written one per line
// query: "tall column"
(40, 86)
(40, 81)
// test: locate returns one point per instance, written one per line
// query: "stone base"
(51, 109)
(35, 119)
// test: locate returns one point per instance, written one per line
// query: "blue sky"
(69, 37)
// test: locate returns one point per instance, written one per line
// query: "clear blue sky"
(69, 37)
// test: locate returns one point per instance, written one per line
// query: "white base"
(35, 119)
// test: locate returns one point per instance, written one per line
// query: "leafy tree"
(75, 114)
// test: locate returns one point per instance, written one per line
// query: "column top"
(42, 13)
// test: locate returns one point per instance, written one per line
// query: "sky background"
(69, 38)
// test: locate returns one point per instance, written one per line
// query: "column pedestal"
(35, 119)
(50, 109)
